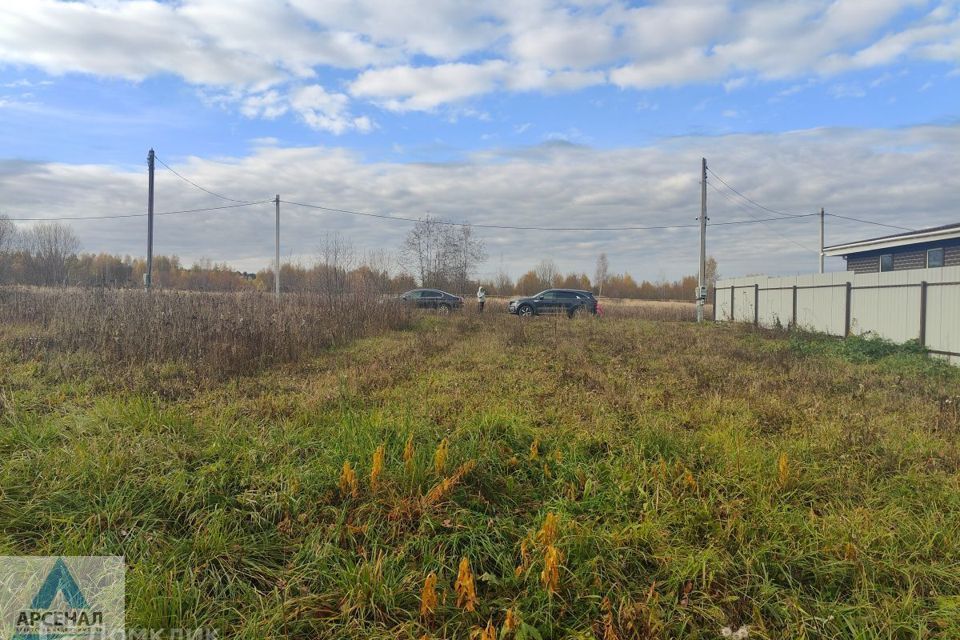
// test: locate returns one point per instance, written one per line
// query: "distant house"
(921, 249)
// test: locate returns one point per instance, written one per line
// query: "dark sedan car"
(441, 301)
(569, 301)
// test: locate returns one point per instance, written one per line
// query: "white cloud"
(797, 88)
(327, 111)
(420, 54)
(936, 37)
(421, 88)
(735, 83)
(269, 105)
(561, 41)
(127, 40)
(441, 29)
(408, 88)
(903, 176)
(692, 65)
(319, 109)
(847, 90)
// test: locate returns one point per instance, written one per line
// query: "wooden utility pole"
(821, 239)
(276, 275)
(701, 280)
(148, 276)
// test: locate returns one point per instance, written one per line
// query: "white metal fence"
(917, 304)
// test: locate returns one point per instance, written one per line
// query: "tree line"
(435, 253)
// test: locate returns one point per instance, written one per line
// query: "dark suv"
(569, 301)
(442, 301)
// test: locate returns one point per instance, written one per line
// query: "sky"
(504, 112)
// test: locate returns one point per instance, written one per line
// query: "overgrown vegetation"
(612, 478)
(215, 334)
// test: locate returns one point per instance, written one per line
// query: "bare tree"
(336, 258)
(502, 283)
(441, 254)
(420, 249)
(547, 273)
(466, 251)
(8, 240)
(601, 273)
(380, 264)
(52, 244)
(8, 231)
(711, 274)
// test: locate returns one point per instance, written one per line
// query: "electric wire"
(752, 215)
(246, 203)
(194, 184)
(139, 215)
(751, 200)
(524, 228)
(793, 215)
(879, 224)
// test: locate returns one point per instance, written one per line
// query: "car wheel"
(443, 309)
(525, 311)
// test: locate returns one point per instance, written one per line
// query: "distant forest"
(49, 254)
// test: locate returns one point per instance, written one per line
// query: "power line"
(192, 183)
(526, 228)
(795, 215)
(138, 215)
(879, 224)
(752, 215)
(752, 201)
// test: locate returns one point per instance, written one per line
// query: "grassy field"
(490, 477)
(628, 308)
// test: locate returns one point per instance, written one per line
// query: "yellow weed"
(465, 588)
(428, 597)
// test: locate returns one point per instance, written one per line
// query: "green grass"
(703, 477)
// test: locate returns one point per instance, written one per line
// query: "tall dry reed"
(221, 333)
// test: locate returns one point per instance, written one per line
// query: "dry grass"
(492, 476)
(218, 334)
(652, 309)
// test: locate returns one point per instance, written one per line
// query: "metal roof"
(944, 232)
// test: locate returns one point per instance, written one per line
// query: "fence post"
(733, 318)
(793, 322)
(846, 321)
(713, 314)
(923, 313)
(756, 305)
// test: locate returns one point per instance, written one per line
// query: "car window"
(549, 295)
(432, 294)
(566, 294)
(412, 295)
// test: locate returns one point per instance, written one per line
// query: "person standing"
(481, 298)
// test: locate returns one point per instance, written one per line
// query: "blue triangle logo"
(60, 580)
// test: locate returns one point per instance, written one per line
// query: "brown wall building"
(922, 249)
